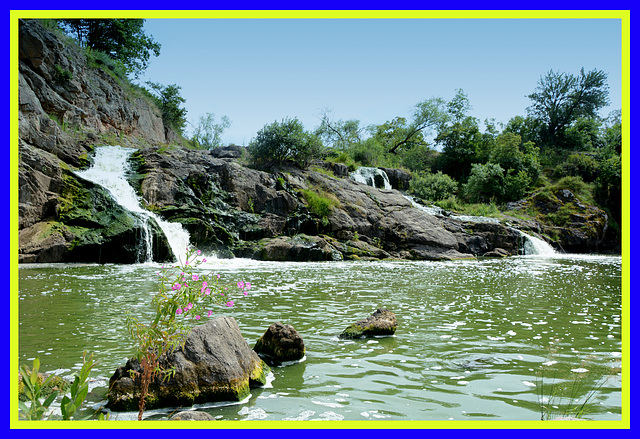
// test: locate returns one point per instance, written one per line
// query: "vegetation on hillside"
(453, 159)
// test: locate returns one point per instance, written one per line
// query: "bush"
(515, 185)
(485, 183)
(286, 141)
(578, 165)
(433, 187)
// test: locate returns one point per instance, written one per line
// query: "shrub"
(578, 165)
(515, 185)
(433, 187)
(485, 183)
(286, 141)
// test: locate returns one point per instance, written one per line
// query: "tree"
(427, 116)
(122, 39)
(208, 133)
(286, 141)
(339, 134)
(168, 100)
(561, 98)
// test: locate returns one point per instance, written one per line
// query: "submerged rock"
(191, 415)
(215, 364)
(381, 322)
(280, 343)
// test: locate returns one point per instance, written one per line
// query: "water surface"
(473, 336)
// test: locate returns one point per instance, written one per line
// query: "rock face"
(280, 343)
(215, 364)
(65, 107)
(381, 322)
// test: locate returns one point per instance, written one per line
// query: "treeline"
(453, 161)
(452, 158)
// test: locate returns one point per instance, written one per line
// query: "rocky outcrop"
(215, 364)
(279, 344)
(381, 322)
(66, 105)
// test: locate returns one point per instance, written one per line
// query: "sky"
(257, 71)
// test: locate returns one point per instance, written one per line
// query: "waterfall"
(371, 177)
(109, 170)
(536, 246)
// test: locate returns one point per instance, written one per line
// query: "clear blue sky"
(262, 70)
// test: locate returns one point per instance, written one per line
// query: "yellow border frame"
(623, 15)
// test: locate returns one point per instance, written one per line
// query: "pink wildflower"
(204, 259)
(179, 311)
(229, 303)
(176, 287)
(247, 285)
(209, 313)
(195, 277)
(197, 317)
(241, 285)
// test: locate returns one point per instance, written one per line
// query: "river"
(476, 339)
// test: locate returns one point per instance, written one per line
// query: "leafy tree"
(285, 141)
(339, 134)
(122, 39)
(460, 139)
(514, 156)
(168, 100)
(208, 133)
(427, 116)
(561, 98)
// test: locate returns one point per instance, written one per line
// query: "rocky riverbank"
(284, 214)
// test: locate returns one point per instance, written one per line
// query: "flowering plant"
(185, 297)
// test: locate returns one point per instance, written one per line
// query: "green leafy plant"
(185, 298)
(34, 388)
(79, 389)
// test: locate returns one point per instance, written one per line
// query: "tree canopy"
(561, 98)
(122, 39)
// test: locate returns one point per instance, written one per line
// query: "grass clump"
(319, 202)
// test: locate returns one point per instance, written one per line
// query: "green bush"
(286, 141)
(433, 187)
(515, 185)
(485, 183)
(578, 165)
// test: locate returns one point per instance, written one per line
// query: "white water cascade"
(109, 170)
(371, 177)
(536, 246)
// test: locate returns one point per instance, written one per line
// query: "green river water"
(479, 340)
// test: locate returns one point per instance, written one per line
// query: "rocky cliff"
(68, 105)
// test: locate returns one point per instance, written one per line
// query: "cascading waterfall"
(371, 177)
(109, 170)
(536, 246)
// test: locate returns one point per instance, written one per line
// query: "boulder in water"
(381, 322)
(215, 364)
(280, 343)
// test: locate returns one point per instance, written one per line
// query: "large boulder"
(280, 343)
(215, 364)
(381, 322)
